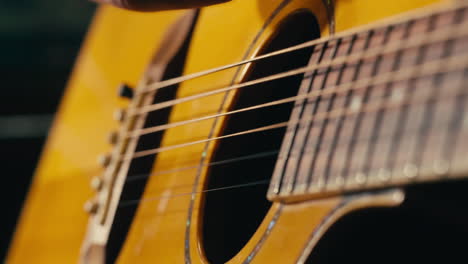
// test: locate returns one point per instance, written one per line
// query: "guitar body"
(167, 226)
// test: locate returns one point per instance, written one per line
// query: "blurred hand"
(154, 5)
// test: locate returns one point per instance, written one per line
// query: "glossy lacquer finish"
(117, 49)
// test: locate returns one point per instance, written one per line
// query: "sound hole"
(231, 216)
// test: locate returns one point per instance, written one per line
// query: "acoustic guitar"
(259, 131)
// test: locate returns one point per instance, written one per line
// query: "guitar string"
(271, 153)
(210, 164)
(240, 110)
(457, 31)
(449, 65)
(331, 90)
(134, 202)
(167, 83)
(240, 185)
(341, 112)
(250, 157)
(155, 198)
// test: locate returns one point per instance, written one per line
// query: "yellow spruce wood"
(117, 49)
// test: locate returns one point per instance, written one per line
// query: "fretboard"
(387, 107)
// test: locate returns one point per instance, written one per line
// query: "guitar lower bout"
(323, 137)
(308, 222)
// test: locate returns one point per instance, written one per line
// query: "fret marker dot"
(410, 170)
(339, 180)
(360, 178)
(356, 103)
(383, 175)
(441, 167)
(319, 183)
(397, 96)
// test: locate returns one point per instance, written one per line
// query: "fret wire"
(291, 129)
(459, 107)
(347, 100)
(386, 94)
(184, 122)
(333, 96)
(265, 181)
(420, 139)
(350, 95)
(405, 115)
(361, 117)
(307, 104)
(388, 87)
(329, 106)
(318, 102)
(446, 99)
(402, 113)
(453, 125)
(398, 21)
(325, 143)
(378, 106)
(375, 118)
(430, 106)
(324, 126)
(308, 127)
(456, 125)
(290, 147)
(310, 140)
(452, 64)
(379, 115)
(453, 130)
(387, 137)
(292, 142)
(355, 125)
(416, 42)
(416, 149)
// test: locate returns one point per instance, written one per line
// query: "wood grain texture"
(158, 231)
(118, 47)
(53, 222)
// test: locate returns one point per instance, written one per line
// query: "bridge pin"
(97, 183)
(113, 137)
(119, 115)
(104, 160)
(91, 207)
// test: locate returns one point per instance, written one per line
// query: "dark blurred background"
(39, 41)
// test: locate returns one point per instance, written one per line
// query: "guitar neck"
(384, 106)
